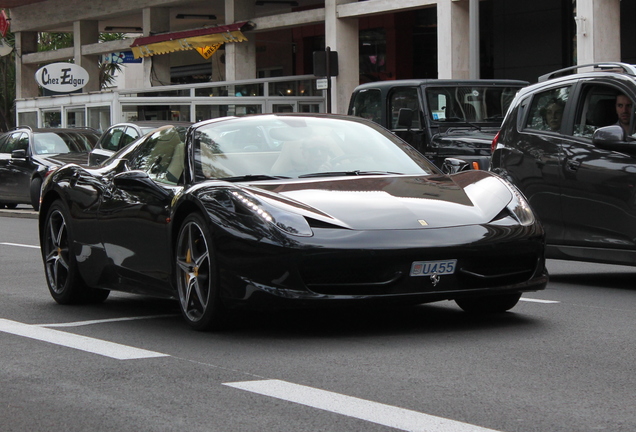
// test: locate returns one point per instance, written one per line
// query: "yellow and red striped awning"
(206, 40)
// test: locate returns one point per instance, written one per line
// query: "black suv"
(568, 144)
(441, 118)
(28, 155)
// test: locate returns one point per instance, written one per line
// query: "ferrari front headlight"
(288, 222)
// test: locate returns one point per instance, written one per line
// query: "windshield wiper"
(347, 173)
(252, 177)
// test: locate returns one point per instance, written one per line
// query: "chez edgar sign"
(62, 77)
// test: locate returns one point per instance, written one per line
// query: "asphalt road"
(562, 360)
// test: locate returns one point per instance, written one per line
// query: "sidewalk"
(22, 211)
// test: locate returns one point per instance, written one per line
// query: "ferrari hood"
(392, 202)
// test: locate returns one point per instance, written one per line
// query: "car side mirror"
(454, 165)
(19, 154)
(613, 138)
(405, 117)
(139, 181)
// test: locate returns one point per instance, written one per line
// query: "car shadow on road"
(421, 319)
(432, 318)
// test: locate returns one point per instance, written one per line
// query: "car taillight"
(495, 140)
(49, 171)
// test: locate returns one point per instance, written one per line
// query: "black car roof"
(442, 82)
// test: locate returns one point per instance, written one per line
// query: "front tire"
(60, 266)
(197, 276)
(489, 304)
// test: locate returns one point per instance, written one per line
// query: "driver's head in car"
(623, 111)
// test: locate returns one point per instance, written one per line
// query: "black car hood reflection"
(392, 202)
(60, 159)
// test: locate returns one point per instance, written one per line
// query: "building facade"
(373, 39)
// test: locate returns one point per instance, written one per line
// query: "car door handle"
(573, 165)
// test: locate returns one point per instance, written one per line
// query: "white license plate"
(427, 268)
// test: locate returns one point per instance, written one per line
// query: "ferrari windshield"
(469, 103)
(298, 146)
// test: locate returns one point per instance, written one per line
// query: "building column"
(598, 35)
(156, 68)
(342, 35)
(453, 39)
(240, 57)
(85, 33)
(25, 84)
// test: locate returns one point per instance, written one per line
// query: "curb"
(19, 213)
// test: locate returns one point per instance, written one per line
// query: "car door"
(135, 215)
(534, 155)
(599, 186)
(16, 170)
(5, 155)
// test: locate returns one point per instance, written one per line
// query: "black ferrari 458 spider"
(292, 209)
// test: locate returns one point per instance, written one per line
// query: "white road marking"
(387, 415)
(103, 321)
(20, 245)
(83, 343)
(539, 300)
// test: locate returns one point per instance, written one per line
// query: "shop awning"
(206, 40)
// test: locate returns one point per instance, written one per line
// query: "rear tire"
(36, 190)
(489, 304)
(197, 277)
(11, 206)
(60, 266)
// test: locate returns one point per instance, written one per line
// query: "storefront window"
(205, 112)
(155, 112)
(294, 88)
(99, 117)
(51, 119)
(75, 117)
(231, 90)
(373, 55)
(28, 119)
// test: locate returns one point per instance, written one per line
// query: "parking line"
(20, 245)
(104, 321)
(363, 409)
(538, 300)
(83, 343)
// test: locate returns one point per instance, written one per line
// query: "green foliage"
(54, 41)
(46, 42)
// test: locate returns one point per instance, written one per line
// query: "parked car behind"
(28, 155)
(562, 144)
(120, 135)
(441, 118)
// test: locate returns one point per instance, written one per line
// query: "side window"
(4, 143)
(162, 156)
(405, 97)
(546, 111)
(110, 141)
(16, 141)
(368, 104)
(598, 107)
(129, 135)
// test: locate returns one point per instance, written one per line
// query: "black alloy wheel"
(62, 276)
(197, 275)
(489, 304)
